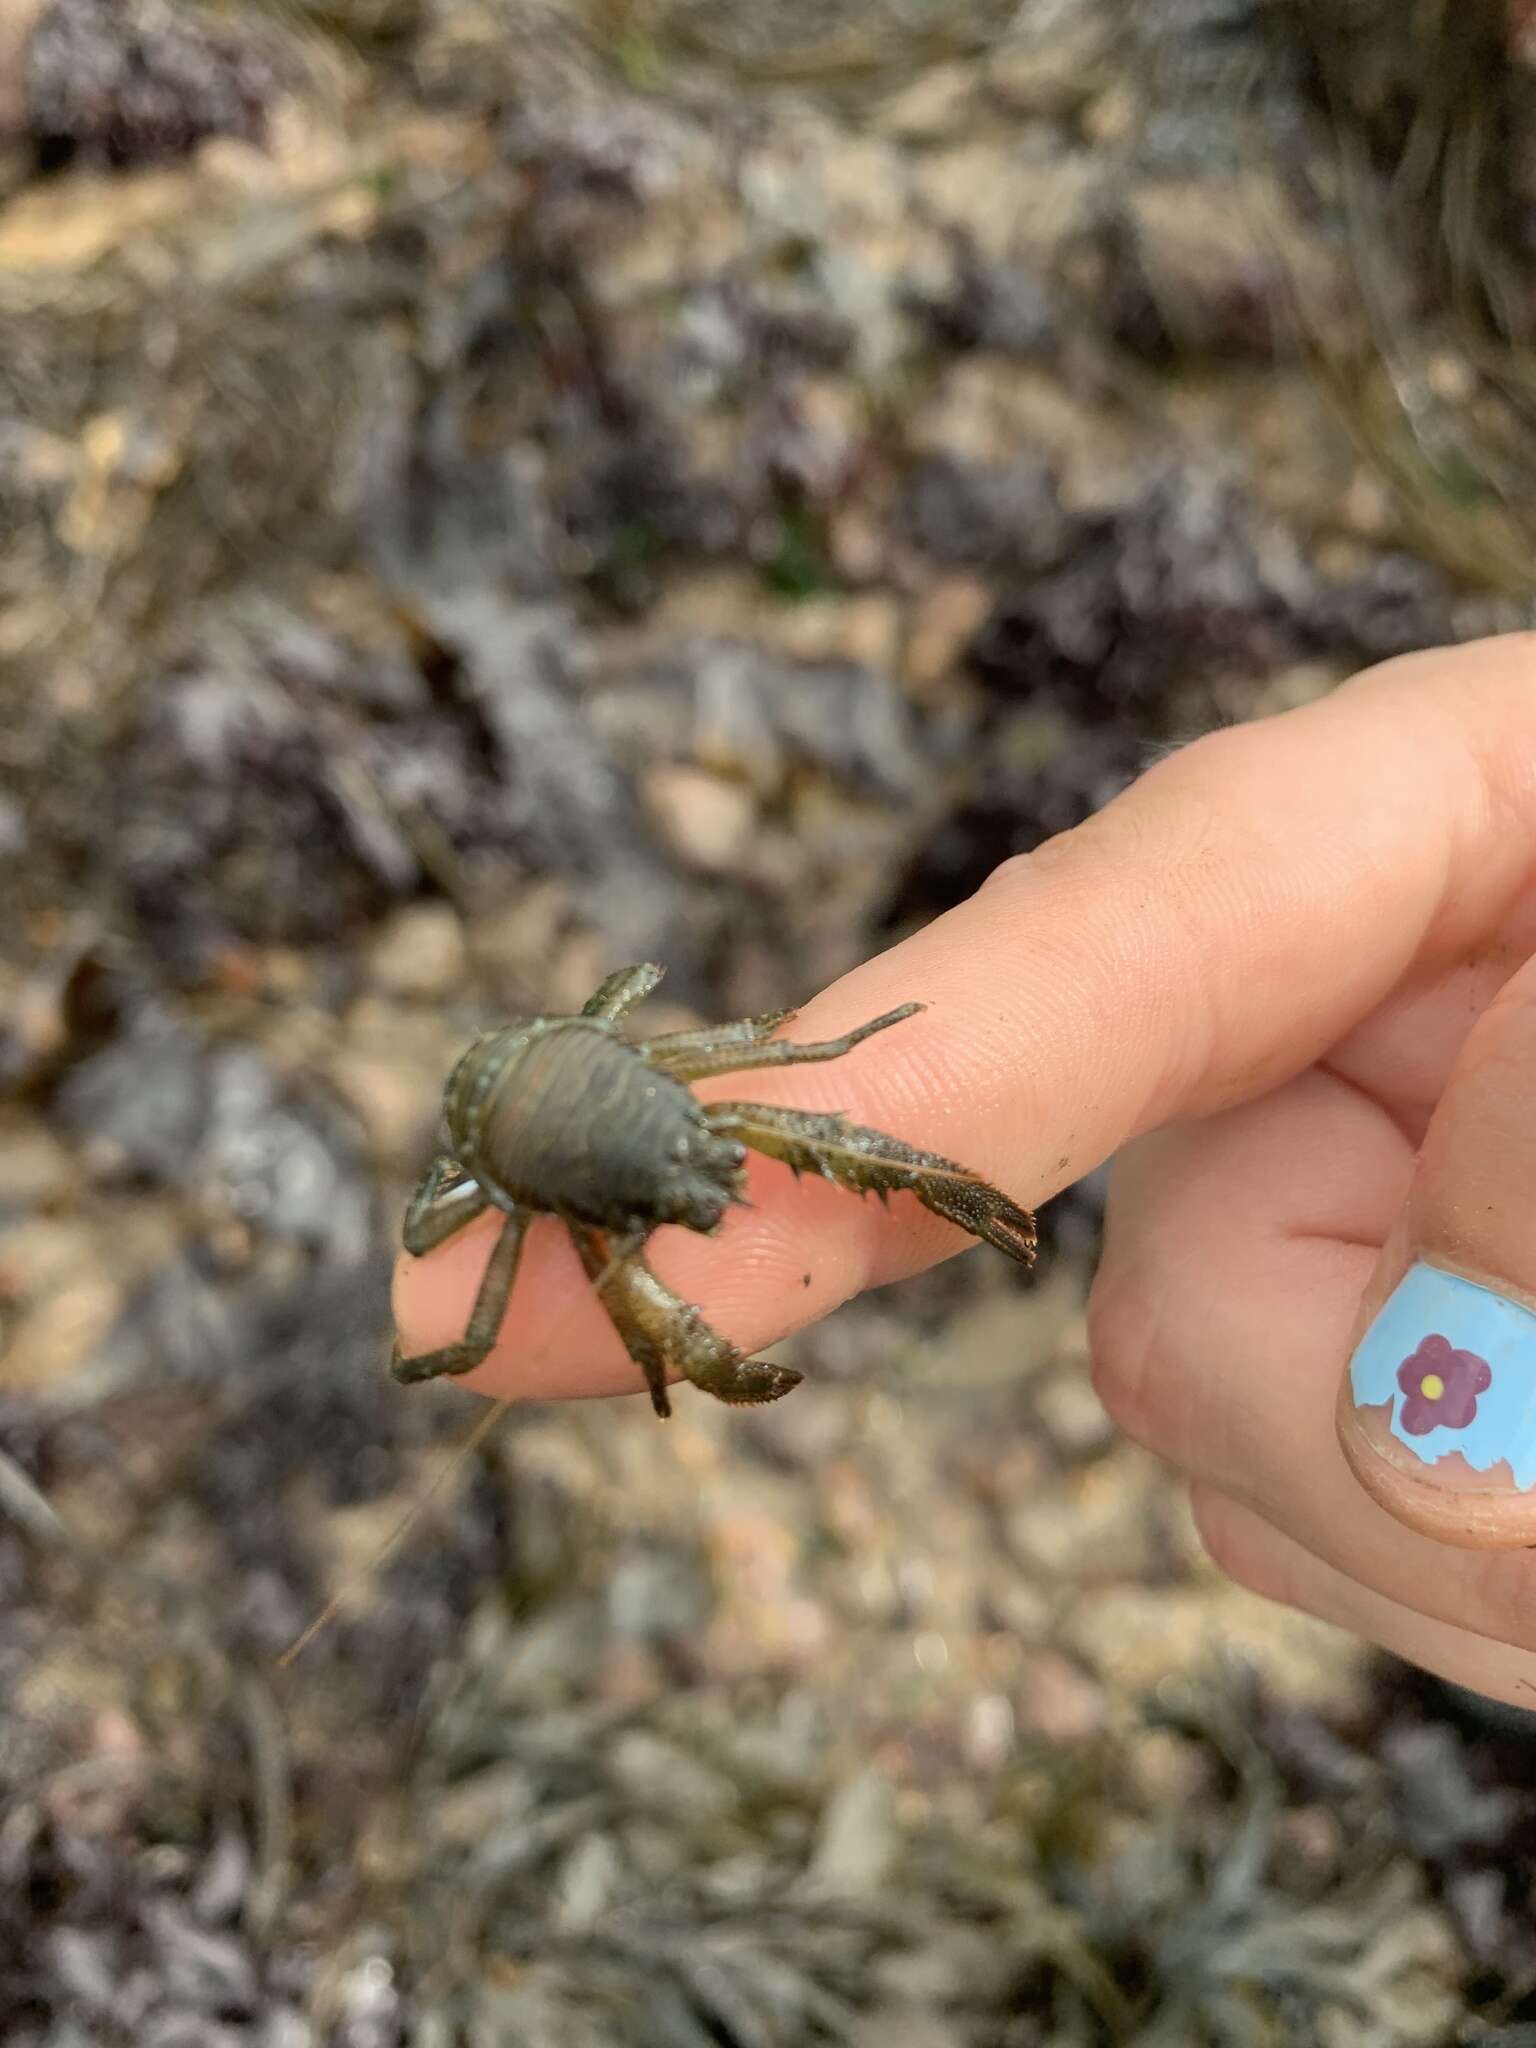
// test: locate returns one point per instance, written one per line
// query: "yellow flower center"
(1431, 1386)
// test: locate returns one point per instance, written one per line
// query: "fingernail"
(1439, 1419)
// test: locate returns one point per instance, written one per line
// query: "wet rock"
(1185, 273)
(236, 821)
(420, 952)
(286, 790)
(391, 1072)
(221, 1884)
(130, 82)
(1074, 1415)
(794, 331)
(1395, 605)
(568, 801)
(15, 31)
(276, 1200)
(1011, 811)
(164, 1106)
(1059, 1700)
(141, 1107)
(806, 439)
(531, 781)
(993, 302)
(994, 516)
(1166, 591)
(185, 1324)
(933, 105)
(627, 146)
(857, 1843)
(13, 828)
(58, 1300)
(1445, 1809)
(35, 1171)
(707, 820)
(629, 508)
(1054, 63)
(282, 1166)
(87, 1967)
(944, 621)
(1206, 70)
(658, 1594)
(202, 1969)
(748, 712)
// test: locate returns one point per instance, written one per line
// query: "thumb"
(1437, 1411)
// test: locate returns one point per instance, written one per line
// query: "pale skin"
(1294, 959)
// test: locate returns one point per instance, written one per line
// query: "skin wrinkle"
(1330, 1237)
(1501, 1585)
(1125, 1318)
(1180, 1406)
(1262, 1558)
(1508, 774)
(1408, 1128)
(1081, 966)
(1413, 1043)
(1504, 796)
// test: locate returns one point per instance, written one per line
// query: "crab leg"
(725, 1055)
(446, 1198)
(660, 1329)
(485, 1318)
(615, 997)
(677, 1051)
(866, 1162)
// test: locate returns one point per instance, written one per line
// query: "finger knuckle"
(1241, 1546)
(1501, 1604)
(1124, 1353)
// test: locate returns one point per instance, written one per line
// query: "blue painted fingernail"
(1447, 1371)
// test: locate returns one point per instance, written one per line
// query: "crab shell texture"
(560, 1114)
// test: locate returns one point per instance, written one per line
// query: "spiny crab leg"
(661, 1330)
(486, 1317)
(869, 1162)
(728, 1056)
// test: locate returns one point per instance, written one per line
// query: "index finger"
(1206, 936)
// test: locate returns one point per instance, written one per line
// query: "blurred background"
(490, 490)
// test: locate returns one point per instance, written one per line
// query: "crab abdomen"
(560, 1114)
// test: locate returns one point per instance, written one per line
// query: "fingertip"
(427, 1292)
(787, 1258)
(554, 1343)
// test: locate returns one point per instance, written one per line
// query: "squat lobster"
(564, 1116)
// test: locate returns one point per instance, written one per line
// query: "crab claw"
(751, 1382)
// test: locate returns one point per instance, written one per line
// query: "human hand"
(1290, 956)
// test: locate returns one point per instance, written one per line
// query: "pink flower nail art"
(1440, 1386)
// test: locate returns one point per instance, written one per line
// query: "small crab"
(564, 1116)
